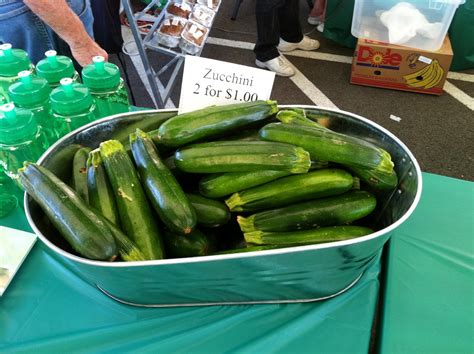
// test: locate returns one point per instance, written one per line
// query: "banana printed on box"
(428, 77)
(401, 68)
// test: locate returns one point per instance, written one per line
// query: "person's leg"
(289, 18)
(318, 11)
(290, 30)
(268, 29)
(268, 33)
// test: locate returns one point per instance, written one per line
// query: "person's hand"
(83, 52)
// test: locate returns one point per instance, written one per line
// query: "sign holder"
(146, 43)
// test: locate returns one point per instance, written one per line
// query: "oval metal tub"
(297, 274)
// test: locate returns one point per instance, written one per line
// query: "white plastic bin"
(419, 24)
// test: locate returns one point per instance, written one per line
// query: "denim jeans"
(276, 19)
(20, 27)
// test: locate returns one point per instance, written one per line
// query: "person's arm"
(59, 16)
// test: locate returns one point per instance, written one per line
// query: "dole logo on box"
(367, 56)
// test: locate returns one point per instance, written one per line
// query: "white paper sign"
(208, 82)
(14, 246)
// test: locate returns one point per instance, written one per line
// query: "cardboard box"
(401, 68)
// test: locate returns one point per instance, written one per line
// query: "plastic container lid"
(70, 98)
(30, 90)
(16, 124)
(55, 67)
(12, 61)
(101, 75)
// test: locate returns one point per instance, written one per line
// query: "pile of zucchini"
(218, 180)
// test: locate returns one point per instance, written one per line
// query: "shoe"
(320, 28)
(278, 65)
(305, 44)
(315, 20)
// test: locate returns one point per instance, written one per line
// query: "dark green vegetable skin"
(337, 210)
(238, 156)
(209, 212)
(222, 185)
(376, 179)
(85, 230)
(101, 195)
(292, 189)
(192, 245)
(213, 121)
(128, 250)
(135, 215)
(164, 192)
(306, 237)
(326, 145)
(79, 174)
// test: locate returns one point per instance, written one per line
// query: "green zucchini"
(237, 156)
(376, 179)
(85, 230)
(128, 250)
(135, 215)
(297, 117)
(224, 184)
(209, 212)
(292, 189)
(164, 192)
(193, 244)
(244, 135)
(101, 195)
(326, 145)
(336, 210)
(79, 172)
(213, 121)
(147, 122)
(306, 237)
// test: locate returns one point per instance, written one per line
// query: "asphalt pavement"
(437, 129)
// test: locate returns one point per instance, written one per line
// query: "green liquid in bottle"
(32, 93)
(12, 61)
(72, 107)
(55, 67)
(21, 139)
(106, 86)
(10, 195)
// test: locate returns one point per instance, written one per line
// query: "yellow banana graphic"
(421, 72)
(427, 77)
(422, 80)
(439, 76)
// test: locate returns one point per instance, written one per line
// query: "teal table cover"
(428, 304)
(429, 301)
(47, 309)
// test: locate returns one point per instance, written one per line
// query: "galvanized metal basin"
(297, 274)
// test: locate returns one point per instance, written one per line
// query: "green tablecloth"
(48, 309)
(429, 302)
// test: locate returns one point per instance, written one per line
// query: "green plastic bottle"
(72, 106)
(55, 67)
(12, 61)
(10, 195)
(106, 86)
(32, 93)
(21, 139)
